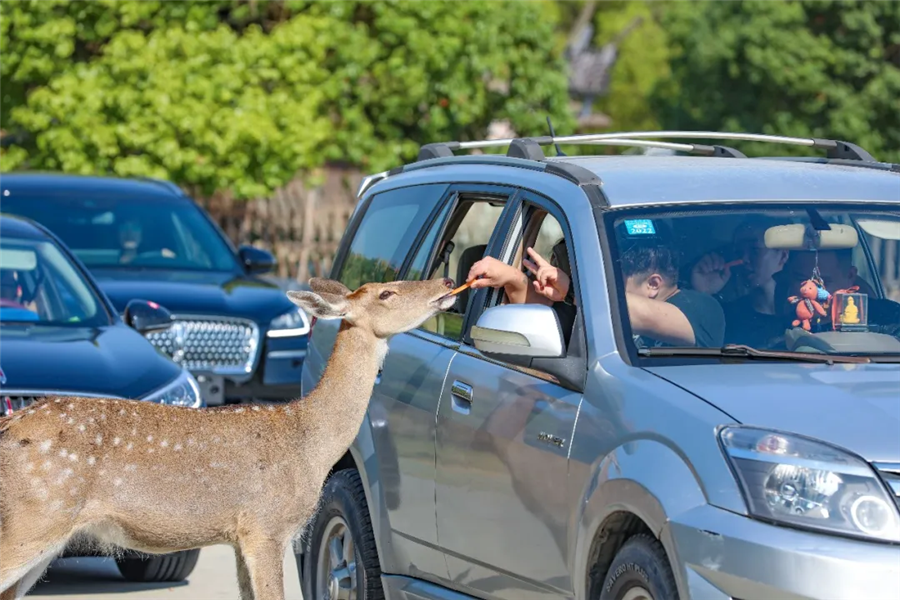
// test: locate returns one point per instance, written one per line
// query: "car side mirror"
(145, 316)
(256, 260)
(528, 330)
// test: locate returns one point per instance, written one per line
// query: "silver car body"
(572, 470)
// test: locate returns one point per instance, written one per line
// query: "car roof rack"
(835, 149)
(529, 148)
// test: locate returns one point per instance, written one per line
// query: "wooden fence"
(301, 225)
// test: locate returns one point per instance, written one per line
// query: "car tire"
(639, 571)
(158, 567)
(328, 560)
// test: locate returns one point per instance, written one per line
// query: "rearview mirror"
(145, 316)
(256, 260)
(530, 330)
(800, 237)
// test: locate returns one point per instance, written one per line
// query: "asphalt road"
(214, 578)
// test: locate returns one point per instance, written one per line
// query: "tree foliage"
(243, 95)
(814, 68)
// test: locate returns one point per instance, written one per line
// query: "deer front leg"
(264, 560)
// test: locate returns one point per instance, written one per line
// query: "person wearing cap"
(661, 313)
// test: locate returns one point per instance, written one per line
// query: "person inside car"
(13, 307)
(661, 313)
(751, 314)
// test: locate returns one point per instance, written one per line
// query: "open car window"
(809, 277)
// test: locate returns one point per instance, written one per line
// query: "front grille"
(890, 472)
(220, 345)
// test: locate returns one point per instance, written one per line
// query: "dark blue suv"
(236, 332)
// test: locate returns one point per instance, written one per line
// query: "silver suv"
(711, 412)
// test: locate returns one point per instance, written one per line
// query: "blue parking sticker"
(640, 227)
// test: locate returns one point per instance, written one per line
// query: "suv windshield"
(38, 284)
(133, 232)
(808, 277)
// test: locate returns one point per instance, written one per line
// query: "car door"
(456, 239)
(404, 400)
(503, 436)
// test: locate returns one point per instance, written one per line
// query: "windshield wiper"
(742, 351)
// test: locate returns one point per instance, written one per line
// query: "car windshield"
(803, 278)
(132, 232)
(39, 284)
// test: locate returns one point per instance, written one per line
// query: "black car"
(61, 336)
(141, 238)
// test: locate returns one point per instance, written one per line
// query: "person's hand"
(710, 274)
(549, 281)
(491, 272)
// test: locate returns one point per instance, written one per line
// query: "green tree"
(801, 68)
(243, 95)
(643, 63)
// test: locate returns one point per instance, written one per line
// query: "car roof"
(640, 180)
(48, 183)
(21, 227)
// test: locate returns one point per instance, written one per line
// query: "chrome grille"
(890, 472)
(222, 345)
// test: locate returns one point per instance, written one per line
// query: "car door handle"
(462, 396)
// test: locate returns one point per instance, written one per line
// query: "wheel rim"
(638, 593)
(336, 568)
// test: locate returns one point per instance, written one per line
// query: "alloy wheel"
(336, 569)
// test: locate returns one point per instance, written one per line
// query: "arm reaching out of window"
(550, 285)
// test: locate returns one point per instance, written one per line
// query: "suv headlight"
(801, 482)
(184, 391)
(294, 322)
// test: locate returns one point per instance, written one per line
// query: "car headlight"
(294, 322)
(184, 391)
(805, 483)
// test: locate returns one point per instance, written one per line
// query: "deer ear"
(320, 285)
(321, 306)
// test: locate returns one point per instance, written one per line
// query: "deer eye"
(386, 294)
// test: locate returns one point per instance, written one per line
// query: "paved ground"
(214, 578)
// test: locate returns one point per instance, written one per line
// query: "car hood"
(196, 292)
(853, 406)
(114, 360)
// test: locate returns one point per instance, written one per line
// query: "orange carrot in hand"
(461, 288)
(464, 286)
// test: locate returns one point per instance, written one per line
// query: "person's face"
(760, 263)
(130, 235)
(835, 275)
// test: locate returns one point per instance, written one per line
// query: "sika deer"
(126, 473)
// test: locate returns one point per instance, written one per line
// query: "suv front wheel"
(640, 571)
(340, 559)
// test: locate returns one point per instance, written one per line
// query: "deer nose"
(448, 282)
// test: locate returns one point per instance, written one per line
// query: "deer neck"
(340, 400)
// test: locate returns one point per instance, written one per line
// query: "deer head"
(385, 309)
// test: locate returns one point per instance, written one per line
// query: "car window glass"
(38, 284)
(130, 231)
(385, 234)
(462, 245)
(419, 264)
